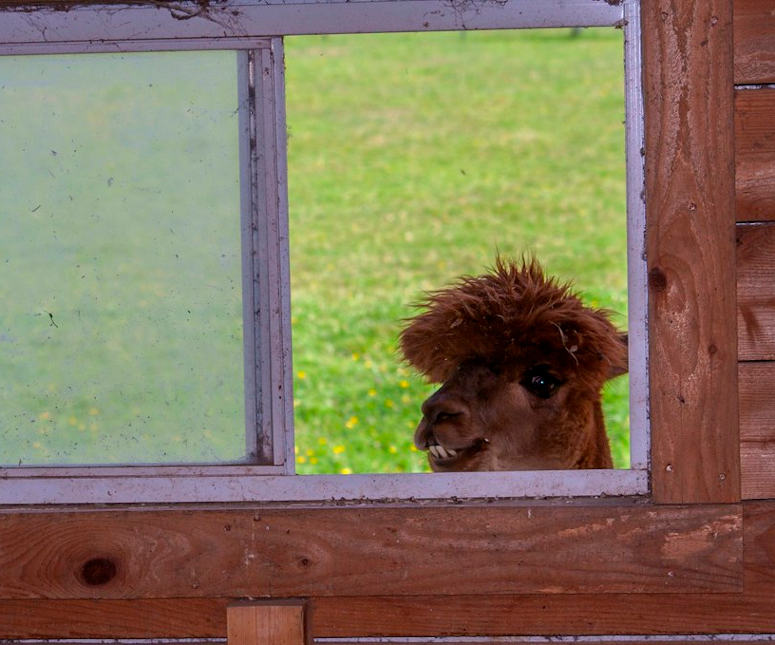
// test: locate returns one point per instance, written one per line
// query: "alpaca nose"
(442, 406)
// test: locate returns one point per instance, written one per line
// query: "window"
(247, 183)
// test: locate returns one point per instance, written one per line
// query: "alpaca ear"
(619, 364)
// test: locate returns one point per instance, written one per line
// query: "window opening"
(414, 158)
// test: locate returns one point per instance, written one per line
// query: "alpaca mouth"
(442, 456)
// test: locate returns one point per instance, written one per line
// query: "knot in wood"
(657, 279)
(98, 571)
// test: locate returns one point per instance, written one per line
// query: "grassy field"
(412, 159)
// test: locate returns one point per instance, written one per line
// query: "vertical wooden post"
(266, 623)
(690, 240)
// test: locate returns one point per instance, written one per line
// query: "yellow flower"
(94, 411)
(44, 416)
(372, 392)
(351, 423)
(313, 460)
(72, 421)
(322, 441)
(389, 403)
(404, 383)
(392, 450)
(301, 459)
(346, 471)
(301, 374)
(356, 356)
(338, 450)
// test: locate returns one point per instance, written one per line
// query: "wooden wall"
(755, 213)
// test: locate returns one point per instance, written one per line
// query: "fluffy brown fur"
(494, 341)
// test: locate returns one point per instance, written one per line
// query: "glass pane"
(413, 159)
(120, 264)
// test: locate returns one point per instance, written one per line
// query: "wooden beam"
(280, 553)
(751, 611)
(755, 154)
(756, 291)
(265, 624)
(754, 41)
(687, 51)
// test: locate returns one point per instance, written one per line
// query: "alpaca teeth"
(440, 452)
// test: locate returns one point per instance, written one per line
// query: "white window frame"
(255, 28)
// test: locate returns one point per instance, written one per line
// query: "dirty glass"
(120, 268)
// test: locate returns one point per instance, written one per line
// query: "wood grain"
(599, 548)
(756, 291)
(757, 429)
(687, 48)
(265, 624)
(754, 41)
(755, 154)
(751, 611)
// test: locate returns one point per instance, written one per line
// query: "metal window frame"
(255, 28)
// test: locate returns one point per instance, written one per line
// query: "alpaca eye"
(540, 383)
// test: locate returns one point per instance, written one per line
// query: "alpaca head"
(522, 362)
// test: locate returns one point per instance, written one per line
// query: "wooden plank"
(687, 50)
(754, 41)
(265, 624)
(757, 429)
(600, 548)
(751, 611)
(755, 154)
(756, 291)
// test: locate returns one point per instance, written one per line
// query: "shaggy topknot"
(502, 316)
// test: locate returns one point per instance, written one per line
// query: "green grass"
(412, 159)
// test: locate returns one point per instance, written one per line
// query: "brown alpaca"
(522, 362)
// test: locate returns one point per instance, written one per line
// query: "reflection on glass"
(120, 272)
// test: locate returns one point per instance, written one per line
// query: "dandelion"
(372, 392)
(351, 423)
(406, 398)
(37, 445)
(389, 403)
(313, 460)
(322, 441)
(403, 383)
(94, 412)
(301, 374)
(310, 452)
(346, 471)
(338, 450)
(72, 421)
(392, 450)
(301, 459)
(356, 356)
(295, 450)
(44, 416)
(413, 448)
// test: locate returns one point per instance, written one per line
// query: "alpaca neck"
(597, 453)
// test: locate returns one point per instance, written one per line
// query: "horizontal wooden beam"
(755, 154)
(589, 548)
(757, 429)
(754, 41)
(751, 611)
(756, 291)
